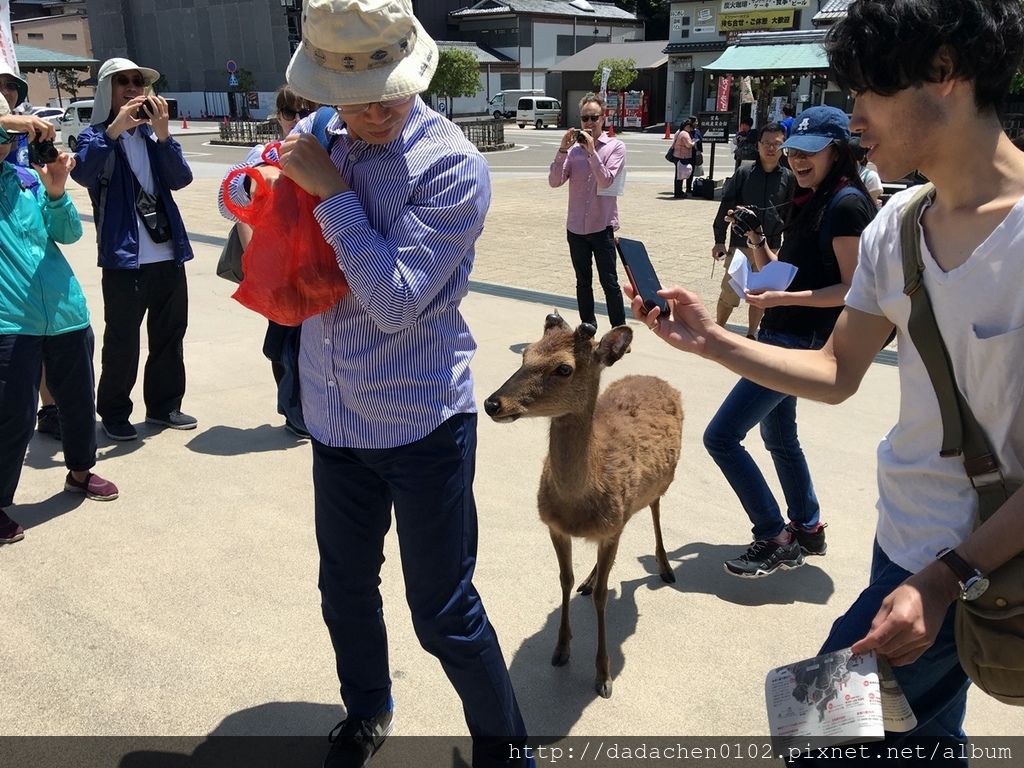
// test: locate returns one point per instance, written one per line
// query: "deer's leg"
(563, 550)
(605, 558)
(659, 546)
(588, 583)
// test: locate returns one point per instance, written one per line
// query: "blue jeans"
(429, 484)
(935, 685)
(749, 404)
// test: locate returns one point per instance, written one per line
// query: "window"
(35, 35)
(509, 81)
(564, 45)
(69, 36)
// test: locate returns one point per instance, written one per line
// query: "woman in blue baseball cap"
(826, 216)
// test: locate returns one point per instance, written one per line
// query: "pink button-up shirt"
(589, 212)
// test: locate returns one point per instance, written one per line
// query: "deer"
(609, 456)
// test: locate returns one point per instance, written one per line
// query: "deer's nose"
(492, 406)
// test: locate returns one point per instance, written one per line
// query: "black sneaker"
(119, 430)
(354, 742)
(811, 541)
(765, 557)
(48, 421)
(10, 531)
(174, 420)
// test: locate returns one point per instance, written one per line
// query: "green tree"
(622, 76)
(68, 81)
(458, 74)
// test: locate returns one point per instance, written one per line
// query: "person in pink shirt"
(591, 161)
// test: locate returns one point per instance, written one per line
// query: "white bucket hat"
(358, 51)
(109, 68)
(5, 69)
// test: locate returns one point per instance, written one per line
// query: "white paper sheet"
(776, 276)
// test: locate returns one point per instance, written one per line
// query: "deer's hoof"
(585, 588)
(668, 577)
(560, 657)
(604, 688)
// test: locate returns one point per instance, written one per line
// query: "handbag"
(989, 631)
(229, 265)
(671, 154)
(698, 158)
(153, 215)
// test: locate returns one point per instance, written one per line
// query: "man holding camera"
(591, 161)
(129, 162)
(765, 187)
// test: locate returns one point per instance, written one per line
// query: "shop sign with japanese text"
(746, 22)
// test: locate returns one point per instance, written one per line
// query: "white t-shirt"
(138, 158)
(872, 181)
(925, 501)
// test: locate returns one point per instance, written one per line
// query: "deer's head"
(560, 373)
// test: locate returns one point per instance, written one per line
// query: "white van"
(503, 104)
(539, 111)
(76, 119)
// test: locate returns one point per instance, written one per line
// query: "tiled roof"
(647, 55)
(31, 57)
(483, 55)
(545, 7)
(831, 11)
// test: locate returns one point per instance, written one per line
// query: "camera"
(744, 220)
(141, 113)
(580, 136)
(42, 152)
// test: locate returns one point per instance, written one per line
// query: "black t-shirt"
(848, 218)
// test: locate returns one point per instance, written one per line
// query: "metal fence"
(249, 133)
(486, 134)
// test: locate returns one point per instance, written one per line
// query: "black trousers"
(586, 250)
(677, 184)
(158, 292)
(69, 374)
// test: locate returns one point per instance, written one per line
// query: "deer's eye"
(563, 370)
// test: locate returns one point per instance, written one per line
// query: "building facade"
(59, 26)
(538, 34)
(191, 43)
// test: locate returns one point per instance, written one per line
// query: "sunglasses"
(358, 109)
(138, 82)
(292, 114)
(799, 154)
(590, 118)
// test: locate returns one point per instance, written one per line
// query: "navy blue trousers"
(429, 484)
(69, 374)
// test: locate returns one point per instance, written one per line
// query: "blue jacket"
(119, 241)
(39, 295)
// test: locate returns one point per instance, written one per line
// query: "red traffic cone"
(668, 131)
(184, 124)
(611, 129)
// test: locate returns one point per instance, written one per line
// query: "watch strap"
(963, 570)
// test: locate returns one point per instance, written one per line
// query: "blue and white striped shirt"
(389, 363)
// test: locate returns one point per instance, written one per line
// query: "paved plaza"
(189, 605)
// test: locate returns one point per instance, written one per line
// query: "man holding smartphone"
(591, 161)
(130, 163)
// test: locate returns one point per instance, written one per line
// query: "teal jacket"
(39, 293)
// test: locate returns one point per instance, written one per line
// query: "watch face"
(974, 588)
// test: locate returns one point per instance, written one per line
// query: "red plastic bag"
(291, 272)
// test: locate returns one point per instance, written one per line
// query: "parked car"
(76, 118)
(49, 114)
(539, 111)
(503, 104)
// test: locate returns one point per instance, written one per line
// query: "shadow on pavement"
(698, 567)
(233, 441)
(39, 512)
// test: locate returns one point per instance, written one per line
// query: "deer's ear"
(614, 345)
(555, 320)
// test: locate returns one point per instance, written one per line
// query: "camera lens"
(42, 153)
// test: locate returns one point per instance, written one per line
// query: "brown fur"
(609, 456)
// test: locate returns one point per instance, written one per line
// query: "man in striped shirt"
(386, 386)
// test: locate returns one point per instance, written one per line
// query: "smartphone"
(141, 113)
(641, 274)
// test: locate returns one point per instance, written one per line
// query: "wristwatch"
(972, 583)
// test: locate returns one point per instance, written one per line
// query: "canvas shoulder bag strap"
(961, 433)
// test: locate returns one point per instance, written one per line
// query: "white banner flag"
(606, 72)
(6, 39)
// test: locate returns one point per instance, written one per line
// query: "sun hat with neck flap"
(359, 51)
(20, 84)
(109, 68)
